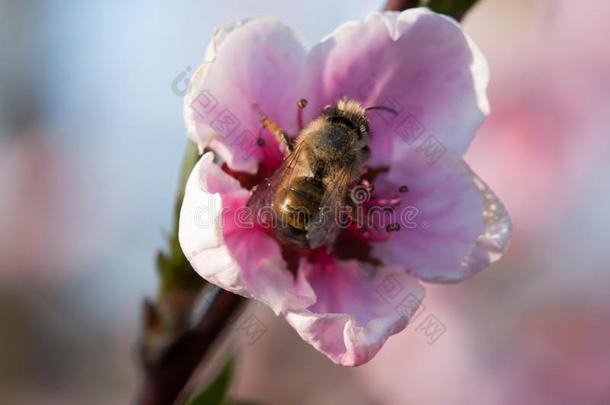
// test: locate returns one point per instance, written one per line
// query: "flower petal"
(356, 310)
(258, 60)
(498, 230)
(419, 63)
(452, 225)
(227, 251)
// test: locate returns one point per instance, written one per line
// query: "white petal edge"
(360, 342)
(491, 245)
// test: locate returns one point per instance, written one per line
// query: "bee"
(306, 195)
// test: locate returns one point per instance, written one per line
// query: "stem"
(166, 375)
(171, 344)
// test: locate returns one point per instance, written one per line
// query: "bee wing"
(262, 198)
(326, 224)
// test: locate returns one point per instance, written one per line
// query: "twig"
(176, 332)
(166, 374)
(400, 5)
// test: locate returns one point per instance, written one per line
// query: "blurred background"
(90, 147)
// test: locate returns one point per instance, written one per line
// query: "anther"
(260, 142)
(403, 189)
(393, 227)
(301, 105)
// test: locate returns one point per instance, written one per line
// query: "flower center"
(312, 198)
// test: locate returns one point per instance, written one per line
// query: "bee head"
(350, 114)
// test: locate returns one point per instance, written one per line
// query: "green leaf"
(215, 393)
(454, 8)
(174, 269)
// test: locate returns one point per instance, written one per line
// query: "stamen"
(301, 104)
(362, 228)
(403, 189)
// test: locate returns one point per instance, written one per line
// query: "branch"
(171, 344)
(400, 5)
(166, 375)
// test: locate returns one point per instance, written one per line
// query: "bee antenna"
(383, 108)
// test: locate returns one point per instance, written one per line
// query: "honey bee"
(307, 193)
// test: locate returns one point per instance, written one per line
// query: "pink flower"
(348, 298)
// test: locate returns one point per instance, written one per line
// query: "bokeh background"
(91, 141)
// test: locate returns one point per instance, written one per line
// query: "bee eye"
(339, 119)
(366, 151)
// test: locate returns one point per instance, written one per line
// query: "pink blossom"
(345, 299)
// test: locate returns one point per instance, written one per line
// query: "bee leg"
(301, 104)
(275, 129)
